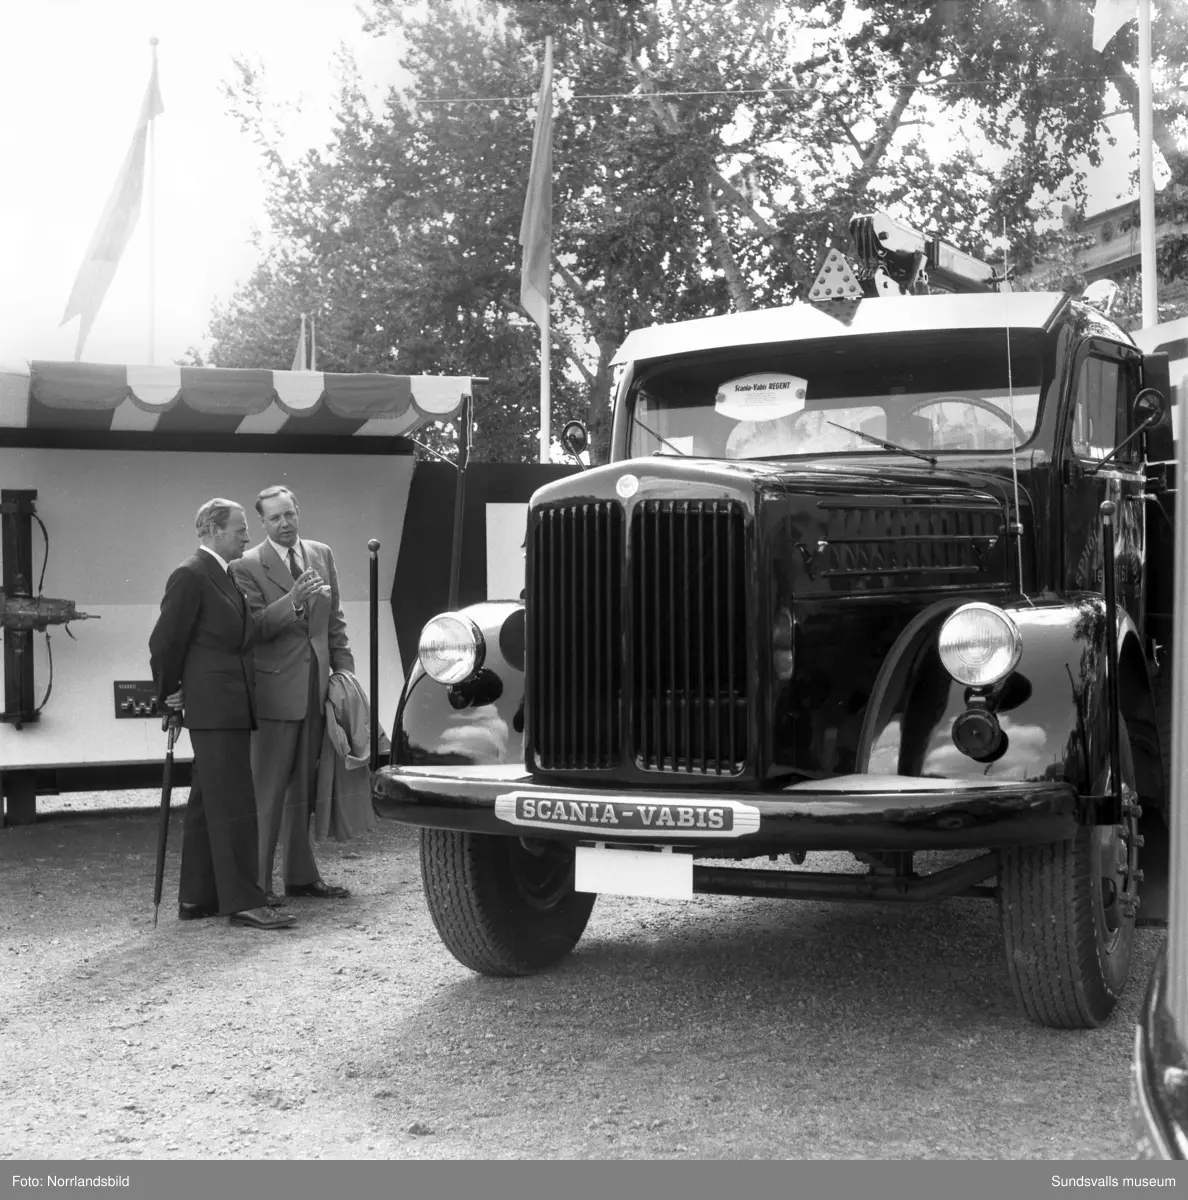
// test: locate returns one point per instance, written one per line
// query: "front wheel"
(1068, 917)
(502, 905)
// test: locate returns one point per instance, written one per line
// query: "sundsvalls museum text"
(1112, 1181)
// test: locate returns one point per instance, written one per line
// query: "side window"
(1101, 418)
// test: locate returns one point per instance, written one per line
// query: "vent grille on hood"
(883, 540)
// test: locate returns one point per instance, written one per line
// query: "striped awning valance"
(97, 397)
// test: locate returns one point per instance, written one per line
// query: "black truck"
(886, 571)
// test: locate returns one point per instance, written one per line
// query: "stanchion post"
(1107, 510)
(466, 422)
(373, 614)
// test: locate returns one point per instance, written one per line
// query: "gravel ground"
(721, 1028)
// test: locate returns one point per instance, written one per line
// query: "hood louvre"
(882, 545)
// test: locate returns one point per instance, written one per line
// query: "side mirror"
(1149, 410)
(575, 439)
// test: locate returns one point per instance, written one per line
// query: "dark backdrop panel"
(422, 581)
(422, 577)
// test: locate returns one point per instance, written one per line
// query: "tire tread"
(1055, 962)
(463, 895)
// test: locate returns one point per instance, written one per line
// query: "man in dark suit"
(200, 649)
(292, 588)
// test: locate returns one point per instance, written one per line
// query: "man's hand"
(174, 705)
(305, 588)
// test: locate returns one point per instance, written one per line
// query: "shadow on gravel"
(933, 963)
(76, 909)
(769, 1029)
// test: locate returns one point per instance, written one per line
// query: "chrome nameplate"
(611, 816)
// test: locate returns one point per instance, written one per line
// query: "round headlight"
(451, 648)
(979, 645)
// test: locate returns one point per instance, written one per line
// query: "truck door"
(1106, 381)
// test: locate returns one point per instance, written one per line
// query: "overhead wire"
(924, 85)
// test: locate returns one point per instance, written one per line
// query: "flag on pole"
(536, 227)
(299, 354)
(115, 225)
(1108, 17)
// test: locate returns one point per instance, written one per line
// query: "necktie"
(294, 567)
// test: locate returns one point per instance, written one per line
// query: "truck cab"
(887, 573)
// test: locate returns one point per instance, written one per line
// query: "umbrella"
(171, 723)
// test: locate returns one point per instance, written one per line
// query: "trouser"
(284, 756)
(220, 836)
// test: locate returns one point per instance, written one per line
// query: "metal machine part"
(23, 613)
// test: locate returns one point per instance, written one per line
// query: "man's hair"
(214, 515)
(269, 492)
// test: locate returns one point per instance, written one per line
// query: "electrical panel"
(135, 699)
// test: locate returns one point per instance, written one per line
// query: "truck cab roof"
(801, 321)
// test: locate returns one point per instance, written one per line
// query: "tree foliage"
(706, 152)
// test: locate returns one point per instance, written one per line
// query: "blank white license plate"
(655, 873)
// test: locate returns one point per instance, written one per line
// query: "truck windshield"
(945, 391)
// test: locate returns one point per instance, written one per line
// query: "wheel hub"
(542, 871)
(1116, 849)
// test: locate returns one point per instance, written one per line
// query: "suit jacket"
(202, 642)
(284, 640)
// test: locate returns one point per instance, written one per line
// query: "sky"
(74, 75)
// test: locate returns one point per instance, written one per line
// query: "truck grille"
(686, 625)
(689, 647)
(575, 649)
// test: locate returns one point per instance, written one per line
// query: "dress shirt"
(217, 557)
(283, 551)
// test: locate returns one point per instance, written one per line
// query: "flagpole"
(299, 357)
(152, 223)
(1146, 170)
(545, 413)
(545, 327)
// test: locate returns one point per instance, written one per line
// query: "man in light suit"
(292, 589)
(201, 657)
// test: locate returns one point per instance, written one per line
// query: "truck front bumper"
(848, 812)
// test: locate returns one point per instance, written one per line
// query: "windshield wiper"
(869, 437)
(659, 437)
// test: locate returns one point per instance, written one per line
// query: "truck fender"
(1053, 708)
(475, 723)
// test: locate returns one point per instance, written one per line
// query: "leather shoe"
(262, 918)
(319, 889)
(196, 912)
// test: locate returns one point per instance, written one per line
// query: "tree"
(706, 153)
(1053, 254)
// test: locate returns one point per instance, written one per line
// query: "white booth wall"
(119, 521)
